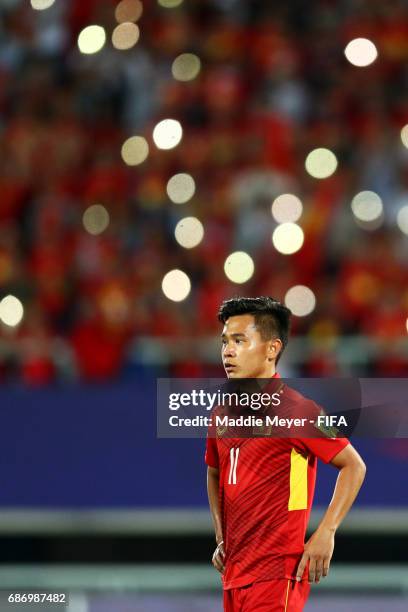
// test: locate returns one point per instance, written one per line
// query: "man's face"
(244, 353)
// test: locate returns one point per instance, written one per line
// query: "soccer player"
(261, 489)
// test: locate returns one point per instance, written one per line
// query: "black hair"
(272, 319)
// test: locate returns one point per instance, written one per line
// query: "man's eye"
(238, 341)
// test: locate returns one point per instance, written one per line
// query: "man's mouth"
(229, 367)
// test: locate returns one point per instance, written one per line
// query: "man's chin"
(232, 374)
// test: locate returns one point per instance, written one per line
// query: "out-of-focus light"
(189, 232)
(135, 150)
(181, 188)
(288, 238)
(321, 163)
(287, 208)
(169, 3)
(370, 226)
(361, 52)
(176, 285)
(11, 311)
(402, 219)
(301, 300)
(367, 206)
(41, 5)
(128, 10)
(167, 134)
(125, 36)
(404, 136)
(186, 67)
(95, 219)
(91, 39)
(239, 267)
(406, 325)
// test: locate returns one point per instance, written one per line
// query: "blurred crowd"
(274, 84)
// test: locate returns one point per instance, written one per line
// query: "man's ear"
(274, 348)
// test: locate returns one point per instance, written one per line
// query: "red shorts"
(271, 596)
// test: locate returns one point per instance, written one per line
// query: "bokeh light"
(402, 219)
(288, 238)
(176, 285)
(95, 219)
(239, 267)
(135, 150)
(367, 206)
(287, 208)
(181, 188)
(167, 134)
(300, 300)
(404, 136)
(41, 5)
(406, 325)
(170, 3)
(91, 39)
(189, 232)
(321, 163)
(128, 10)
(11, 311)
(361, 52)
(370, 226)
(186, 67)
(125, 36)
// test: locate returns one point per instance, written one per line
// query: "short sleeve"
(324, 448)
(211, 453)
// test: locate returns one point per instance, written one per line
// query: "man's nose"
(229, 351)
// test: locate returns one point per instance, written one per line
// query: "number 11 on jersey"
(234, 453)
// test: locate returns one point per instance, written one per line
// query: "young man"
(261, 490)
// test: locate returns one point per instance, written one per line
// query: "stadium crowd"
(274, 84)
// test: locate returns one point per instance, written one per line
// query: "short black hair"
(272, 318)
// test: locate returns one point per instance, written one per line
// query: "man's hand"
(218, 557)
(318, 552)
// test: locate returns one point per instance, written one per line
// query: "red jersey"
(266, 494)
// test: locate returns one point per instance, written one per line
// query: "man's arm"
(319, 548)
(213, 480)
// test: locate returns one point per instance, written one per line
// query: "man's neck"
(269, 374)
